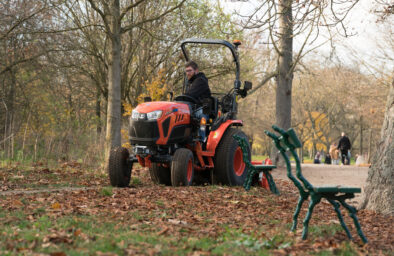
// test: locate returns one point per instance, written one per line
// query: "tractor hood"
(165, 106)
(160, 123)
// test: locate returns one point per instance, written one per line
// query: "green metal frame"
(288, 141)
(252, 170)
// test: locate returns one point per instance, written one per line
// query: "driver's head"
(191, 68)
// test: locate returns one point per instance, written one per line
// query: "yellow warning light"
(203, 121)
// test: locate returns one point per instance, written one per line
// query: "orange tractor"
(164, 136)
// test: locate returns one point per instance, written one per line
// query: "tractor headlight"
(134, 114)
(154, 115)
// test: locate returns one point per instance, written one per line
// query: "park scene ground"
(127, 127)
(70, 210)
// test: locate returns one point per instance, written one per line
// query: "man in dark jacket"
(198, 82)
(344, 145)
(198, 89)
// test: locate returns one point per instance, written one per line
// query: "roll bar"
(232, 48)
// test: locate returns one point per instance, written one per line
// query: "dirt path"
(319, 175)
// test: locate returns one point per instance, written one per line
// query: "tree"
(379, 192)
(300, 17)
(115, 25)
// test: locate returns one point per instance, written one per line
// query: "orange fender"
(215, 136)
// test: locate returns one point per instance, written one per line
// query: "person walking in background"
(334, 154)
(317, 158)
(328, 159)
(344, 145)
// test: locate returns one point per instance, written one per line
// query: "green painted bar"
(255, 169)
(288, 141)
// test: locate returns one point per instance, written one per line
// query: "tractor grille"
(166, 125)
(143, 132)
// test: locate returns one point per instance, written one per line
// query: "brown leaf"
(77, 232)
(17, 203)
(58, 254)
(56, 206)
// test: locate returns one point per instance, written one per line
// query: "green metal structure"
(336, 195)
(255, 169)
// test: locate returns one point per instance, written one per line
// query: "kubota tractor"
(164, 136)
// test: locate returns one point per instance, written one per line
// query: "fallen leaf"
(56, 206)
(58, 254)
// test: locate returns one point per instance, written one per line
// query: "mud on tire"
(229, 166)
(182, 169)
(119, 170)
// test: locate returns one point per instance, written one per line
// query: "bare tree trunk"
(379, 192)
(113, 138)
(361, 135)
(98, 112)
(285, 76)
(369, 145)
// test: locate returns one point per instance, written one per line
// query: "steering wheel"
(187, 98)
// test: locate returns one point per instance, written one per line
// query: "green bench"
(254, 170)
(336, 195)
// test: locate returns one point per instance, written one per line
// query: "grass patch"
(325, 229)
(106, 191)
(135, 181)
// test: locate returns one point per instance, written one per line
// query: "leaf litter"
(196, 212)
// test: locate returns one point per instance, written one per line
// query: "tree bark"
(379, 192)
(113, 136)
(285, 75)
(98, 112)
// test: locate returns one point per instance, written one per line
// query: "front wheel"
(119, 169)
(182, 169)
(230, 168)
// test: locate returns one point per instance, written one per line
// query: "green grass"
(84, 234)
(325, 230)
(106, 191)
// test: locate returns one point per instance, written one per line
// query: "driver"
(198, 82)
(198, 89)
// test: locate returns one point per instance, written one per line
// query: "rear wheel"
(119, 169)
(230, 168)
(182, 169)
(160, 174)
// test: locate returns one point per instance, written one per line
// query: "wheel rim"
(238, 162)
(189, 170)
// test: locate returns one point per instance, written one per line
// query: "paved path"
(320, 174)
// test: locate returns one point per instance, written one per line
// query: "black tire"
(160, 174)
(119, 170)
(182, 169)
(227, 158)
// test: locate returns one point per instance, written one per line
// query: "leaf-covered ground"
(148, 219)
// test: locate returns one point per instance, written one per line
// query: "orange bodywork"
(180, 115)
(178, 112)
(144, 161)
(215, 136)
(212, 142)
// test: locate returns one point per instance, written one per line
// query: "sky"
(360, 47)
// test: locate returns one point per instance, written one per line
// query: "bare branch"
(264, 81)
(128, 8)
(102, 14)
(131, 26)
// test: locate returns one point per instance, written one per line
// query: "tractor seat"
(210, 107)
